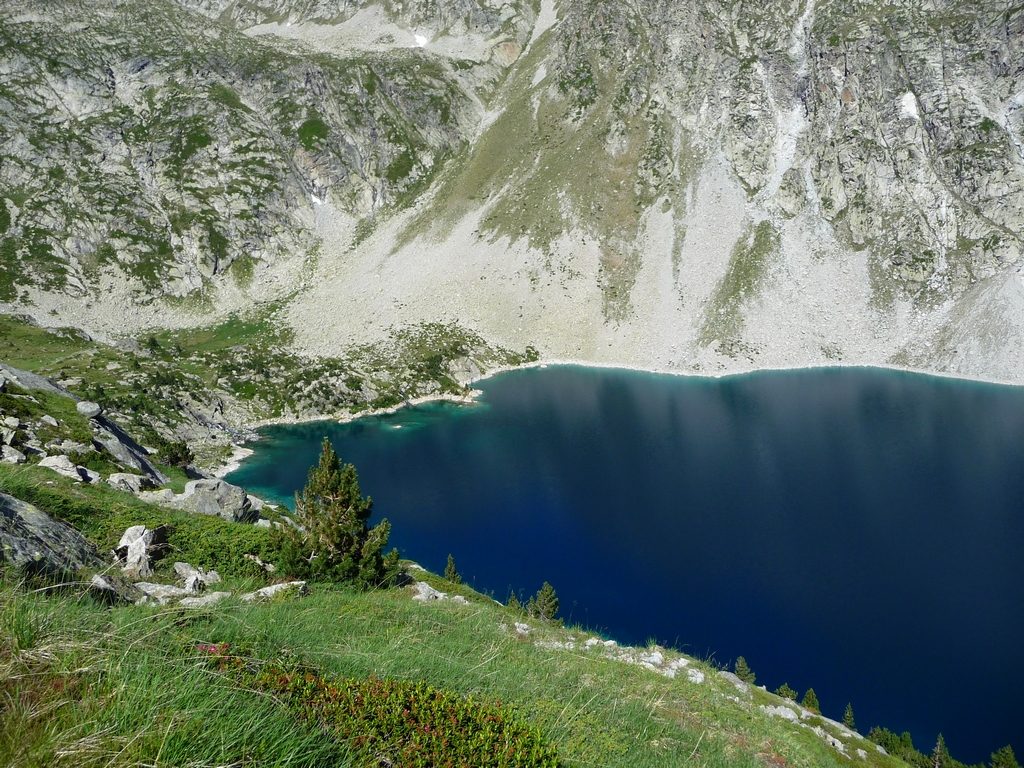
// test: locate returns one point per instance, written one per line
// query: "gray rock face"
(217, 497)
(109, 437)
(128, 482)
(31, 539)
(89, 409)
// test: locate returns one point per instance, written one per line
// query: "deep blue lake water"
(859, 531)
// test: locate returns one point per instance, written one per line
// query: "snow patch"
(908, 106)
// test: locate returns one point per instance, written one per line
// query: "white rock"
(201, 602)
(522, 629)
(695, 675)
(11, 455)
(862, 754)
(299, 587)
(12, 421)
(62, 465)
(786, 713)
(425, 592)
(49, 420)
(654, 659)
(591, 642)
(88, 409)
(160, 593)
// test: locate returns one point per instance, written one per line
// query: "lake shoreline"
(239, 452)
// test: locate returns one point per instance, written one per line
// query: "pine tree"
(1004, 758)
(451, 572)
(848, 720)
(810, 701)
(513, 602)
(743, 671)
(786, 692)
(544, 605)
(940, 755)
(334, 543)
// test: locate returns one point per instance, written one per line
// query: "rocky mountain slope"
(709, 186)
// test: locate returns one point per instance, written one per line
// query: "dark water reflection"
(858, 531)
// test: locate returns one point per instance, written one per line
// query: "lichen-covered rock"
(88, 409)
(32, 540)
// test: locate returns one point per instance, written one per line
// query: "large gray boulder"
(62, 465)
(32, 540)
(219, 498)
(88, 409)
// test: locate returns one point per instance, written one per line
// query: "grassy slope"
(85, 685)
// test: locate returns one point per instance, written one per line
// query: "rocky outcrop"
(62, 465)
(209, 497)
(32, 540)
(138, 548)
(193, 579)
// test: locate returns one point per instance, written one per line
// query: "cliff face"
(692, 186)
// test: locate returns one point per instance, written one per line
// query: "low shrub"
(394, 722)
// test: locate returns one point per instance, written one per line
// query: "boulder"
(12, 421)
(208, 599)
(11, 455)
(49, 421)
(127, 482)
(114, 590)
(425, 592)
(161, 594)
(137, 549)
(32, 540)
(88, 409)
(195, 580)
(219, 498)
(62, 465)
(298, 587)
(7, 436)
(164, 497)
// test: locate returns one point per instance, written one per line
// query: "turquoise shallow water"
(859, 531)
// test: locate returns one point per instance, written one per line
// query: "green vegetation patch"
(312, 132)
(395, 722)
(222, 94)
(748, 267)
